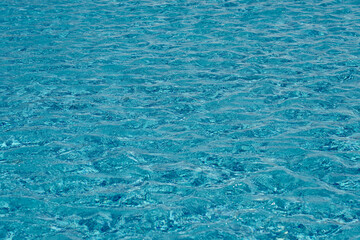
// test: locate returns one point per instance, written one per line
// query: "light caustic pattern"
(179, 119)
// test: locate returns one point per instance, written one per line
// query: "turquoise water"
(180, 119)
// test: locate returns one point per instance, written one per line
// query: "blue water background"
(179, 119)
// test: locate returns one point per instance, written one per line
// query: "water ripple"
(179, 119)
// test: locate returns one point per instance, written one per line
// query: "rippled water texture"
(180, 119)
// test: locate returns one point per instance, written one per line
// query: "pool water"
(180, 119)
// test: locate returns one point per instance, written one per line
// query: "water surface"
(179, 119)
